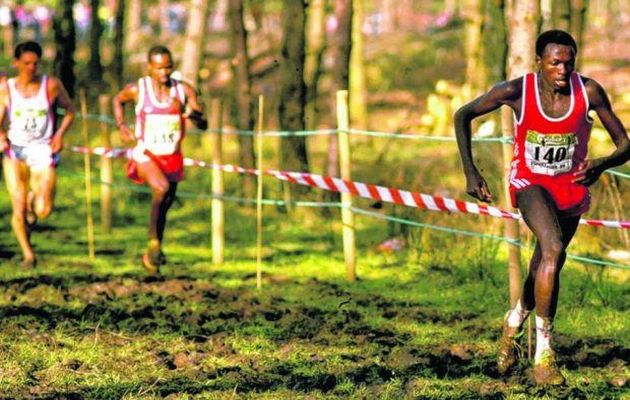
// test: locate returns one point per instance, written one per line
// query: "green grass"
(420, 323)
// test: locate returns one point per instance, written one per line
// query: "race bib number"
(162, 133)
(549, 154)
(32, 121)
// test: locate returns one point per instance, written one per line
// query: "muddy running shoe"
(150, 267)
(29, 263)
(154, 252)
(546, 371)
(509, 349)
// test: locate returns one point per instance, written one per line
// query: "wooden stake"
(218, 213)
(104, 104)
(88, 175)
(511, 226)
(259, 159)
(347, 216)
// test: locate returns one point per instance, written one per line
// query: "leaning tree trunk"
(117, 59)
(578, 21)
(523, 20)
(315, 45)
(65, 40)
(473, 20)
(196, 29)
(358, 88)
(494, 42)
(164, 20)
(342, 47)
(293, 89)
(561, 14)
(95, 67)
(242, 91)
(134, 25)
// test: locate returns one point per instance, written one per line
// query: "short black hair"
(555, 36)
(26, 47)
(155, 50)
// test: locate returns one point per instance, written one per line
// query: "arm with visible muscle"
(128, 94)
(196, 112)
(4, 96)
(57, 91)
(590, 170)
(504, 93)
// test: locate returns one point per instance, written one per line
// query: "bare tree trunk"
(523, 17)
(473, 18)
(315, 45)
(134, 24)
(561, 14)
(242, 91)
(117, 60)
(293, 89)
(342, 48)
(578, 21)
(494, 42)
(196, 29)
(358, 86)
(164, 20)
(95, 67)
(65, 40)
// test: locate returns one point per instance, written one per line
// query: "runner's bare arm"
(196, 113)
(590, 170)
(58, 92)
(4, 96)
(504, 93)
(128, 94)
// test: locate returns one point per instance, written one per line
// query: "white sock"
(517, 315)
(544, 327)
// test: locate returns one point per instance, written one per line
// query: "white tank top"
(30, 118)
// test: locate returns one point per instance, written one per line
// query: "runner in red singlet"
(32, 142)
(161, 104)
(549, 177)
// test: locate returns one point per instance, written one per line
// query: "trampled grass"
(419, 323)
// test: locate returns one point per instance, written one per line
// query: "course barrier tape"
(364, 190)
(351, 131)
(356, 210)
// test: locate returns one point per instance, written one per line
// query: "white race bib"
(32, 121)
(549, 154)
(162, 133)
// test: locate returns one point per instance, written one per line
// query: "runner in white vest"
(33, 141)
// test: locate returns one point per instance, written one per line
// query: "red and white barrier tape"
(368, 191)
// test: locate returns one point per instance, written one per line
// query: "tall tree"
(561, 14)
(134, 23)
(95, 67)
(523, 20)
(163, 6)
(117, 59)
(494, 42)
(244, 109)
(196, 29)
(293, 89)
(342, 48)
(315, 45)
(358, 88)
(473, 18)
(65, 42)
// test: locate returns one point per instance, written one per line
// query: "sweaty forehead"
(558, 50)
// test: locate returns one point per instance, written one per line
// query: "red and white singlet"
(159, 130)
(547, 151)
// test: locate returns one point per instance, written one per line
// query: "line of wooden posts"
(217, 202)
